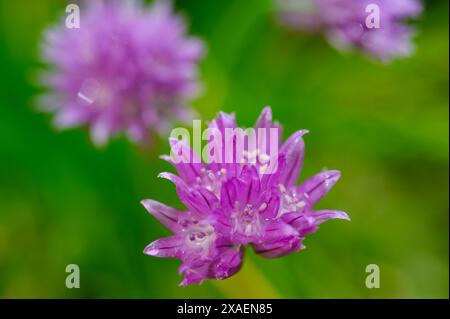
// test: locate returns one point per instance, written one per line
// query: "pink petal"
(187, 163)
(325, 215)
(316, 187)
(294, 151)
(280, 239)
(166, 215)
(265, 118)
(164, 247)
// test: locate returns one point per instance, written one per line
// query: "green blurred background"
(384, 126)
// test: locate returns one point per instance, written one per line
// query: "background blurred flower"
(343, 22)
(126, 69)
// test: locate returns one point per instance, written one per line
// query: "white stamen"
(264, 158)
(263, 168)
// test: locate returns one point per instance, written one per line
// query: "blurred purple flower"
(127, 69)
(232, 205)
(344, 23)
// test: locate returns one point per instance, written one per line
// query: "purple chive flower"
(127, 69)
(344, 23)
(231, 205)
